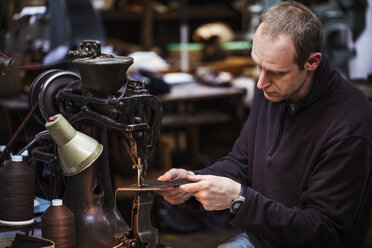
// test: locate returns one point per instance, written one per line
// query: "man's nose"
(263, 81)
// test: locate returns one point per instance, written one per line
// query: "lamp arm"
(38, 136)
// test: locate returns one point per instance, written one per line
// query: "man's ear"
(313, 61)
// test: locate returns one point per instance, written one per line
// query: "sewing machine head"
(102, 74)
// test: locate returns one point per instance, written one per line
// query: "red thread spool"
(16, 192)
(58, 225)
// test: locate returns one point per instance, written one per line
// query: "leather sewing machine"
(103, 98)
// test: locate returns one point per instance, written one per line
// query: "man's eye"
(277, 74)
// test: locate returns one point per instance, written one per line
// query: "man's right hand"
(175, 195)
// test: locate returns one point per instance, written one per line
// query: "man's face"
(280, 78)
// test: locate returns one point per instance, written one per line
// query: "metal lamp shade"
(76, 151)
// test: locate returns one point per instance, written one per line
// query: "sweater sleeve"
(335, 193)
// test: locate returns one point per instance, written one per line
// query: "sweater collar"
(319, 86)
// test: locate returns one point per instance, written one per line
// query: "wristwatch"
(238, 201)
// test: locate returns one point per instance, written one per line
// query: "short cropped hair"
(299, 23)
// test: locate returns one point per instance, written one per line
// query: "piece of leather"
(152, 185)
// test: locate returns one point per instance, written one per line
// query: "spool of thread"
(58, 225)
(16, 192)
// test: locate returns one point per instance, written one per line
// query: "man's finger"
(191, 187)
(167, 176)
(197, 178)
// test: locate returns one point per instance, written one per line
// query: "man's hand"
(174, 174)
(175, 195)
(213, 192)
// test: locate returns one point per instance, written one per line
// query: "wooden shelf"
(193, 12)
(148, 25)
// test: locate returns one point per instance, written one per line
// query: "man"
(299, 173)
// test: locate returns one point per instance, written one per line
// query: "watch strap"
(243, 190)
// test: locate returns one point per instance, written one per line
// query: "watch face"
(236, 204)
